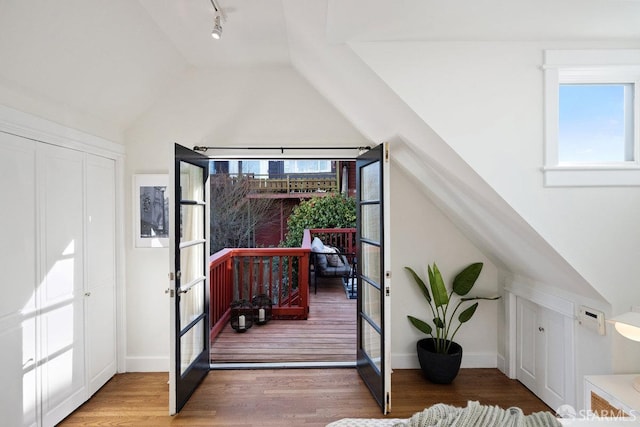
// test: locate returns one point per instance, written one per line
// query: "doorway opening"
(192, 309)
(251, 201)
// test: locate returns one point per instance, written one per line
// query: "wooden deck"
(328, 335)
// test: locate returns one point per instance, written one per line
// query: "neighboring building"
(285, 184)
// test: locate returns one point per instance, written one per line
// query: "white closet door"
(101, 272)
(527, 359)
(552, 385)
(542, 359)
(18, 260)
(61, 282)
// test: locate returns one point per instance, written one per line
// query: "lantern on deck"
(262, 307)
(241, 315)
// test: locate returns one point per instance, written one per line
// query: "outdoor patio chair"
(328, 261)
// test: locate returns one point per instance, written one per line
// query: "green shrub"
(330, 211)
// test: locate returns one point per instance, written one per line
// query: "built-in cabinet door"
(18, 259)
(527, 356)
(57, 311)
(542, 352)
(60, 293)
(100, 289)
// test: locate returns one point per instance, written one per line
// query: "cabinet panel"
(18, 216)
(101, 274)
(18, 394)
(554, 345)
(17, 305)
(61, 285)
(542, 352)
(526, 361)
(59, 275)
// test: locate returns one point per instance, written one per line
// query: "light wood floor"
(288, 397)
(328, 335)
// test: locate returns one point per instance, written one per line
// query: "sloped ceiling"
(486, 20)
(111, 60)
(105, 59)
(485, 217)
(254, 31)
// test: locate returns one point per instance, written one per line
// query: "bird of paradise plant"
(439, 300)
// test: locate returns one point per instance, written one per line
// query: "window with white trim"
(592, 117)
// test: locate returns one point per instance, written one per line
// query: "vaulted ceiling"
(112, 59)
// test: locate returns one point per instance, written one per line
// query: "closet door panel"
(542, 352)
(527, 325)
(18, 259)
(18, 215)
(61, 285)
(553, 383)
(18, 395)
(101, 272)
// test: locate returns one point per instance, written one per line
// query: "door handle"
(540, 328)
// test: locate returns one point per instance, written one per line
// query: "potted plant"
(439, 355)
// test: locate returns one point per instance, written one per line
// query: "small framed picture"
(151, 207)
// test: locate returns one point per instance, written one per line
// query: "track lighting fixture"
(216, 33)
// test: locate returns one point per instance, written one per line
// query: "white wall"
(268, 106)
(485, 99)
(422, 235)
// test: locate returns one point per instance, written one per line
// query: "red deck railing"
(343, 238)
(280, 273)
(242, 273)
(221, 290)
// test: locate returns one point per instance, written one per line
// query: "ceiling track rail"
(204, 149)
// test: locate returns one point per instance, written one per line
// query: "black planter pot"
(439, 368)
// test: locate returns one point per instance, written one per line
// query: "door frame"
(265, 154)
(306, 155)
(25, 125)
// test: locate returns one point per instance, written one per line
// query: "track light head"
(216, 33)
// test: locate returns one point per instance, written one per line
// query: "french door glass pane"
(371, 343)
(192, 304)
(371, 262)
(191, 182)
(370, 222)
(191, 222)
(371, 303)
(191, 345)
(191, 261)
(370, 176)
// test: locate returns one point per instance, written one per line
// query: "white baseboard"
(502, 364)
(469, 360)
(404, 361)
(147, 364)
